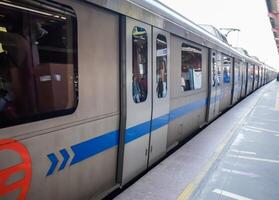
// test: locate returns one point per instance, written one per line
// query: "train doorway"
(160, 96)
(215, 84)
(147, 97)
(138, 98)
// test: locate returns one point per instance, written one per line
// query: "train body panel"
(187, 103)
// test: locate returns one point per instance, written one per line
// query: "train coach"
(94, 92)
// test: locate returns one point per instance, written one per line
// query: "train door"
(161, 95)
(214, 84)
(261, 76)
(218, 85)
(247, 78)
(243, 78)
(250, 78)
(256, 77)
(236, 81)
(138, 98)
(227, 65)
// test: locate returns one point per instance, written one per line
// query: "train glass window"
(38, 75)
(139, 84)
(219, 68)
(227, 63)
(191, 68)
(161, 66)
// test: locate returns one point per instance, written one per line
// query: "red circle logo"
(24, 166)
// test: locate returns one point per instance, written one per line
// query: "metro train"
(95, 92)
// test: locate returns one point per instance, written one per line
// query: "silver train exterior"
(100, 90)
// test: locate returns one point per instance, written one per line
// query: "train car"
(93, 93)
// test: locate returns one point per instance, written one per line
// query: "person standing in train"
(136, 89)
(160, 88)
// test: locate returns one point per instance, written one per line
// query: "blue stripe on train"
(91, 147)
(160, 122)
(137, 131)
(94, 146)
(184, 110)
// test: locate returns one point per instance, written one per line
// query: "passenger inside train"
(161, 68)
(139, 64)
(191, 72)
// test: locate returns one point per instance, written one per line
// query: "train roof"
(157, 14)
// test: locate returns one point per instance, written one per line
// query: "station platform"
(235, 157)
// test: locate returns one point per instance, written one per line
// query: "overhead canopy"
(273, 13)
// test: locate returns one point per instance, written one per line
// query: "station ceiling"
(273, 13)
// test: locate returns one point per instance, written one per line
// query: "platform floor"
(235, 157)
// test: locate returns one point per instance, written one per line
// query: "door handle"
(151, 149)
(146, 151)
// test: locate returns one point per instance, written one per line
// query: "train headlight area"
(94, 94)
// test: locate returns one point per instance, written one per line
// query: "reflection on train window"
(37, 65)
(237, 72)
(251, 72)
(161, 66)
(139, 85)
(227, 64)
(256, 73)
(262, 75)
(191, 68)
(219, 67)
(214, 75)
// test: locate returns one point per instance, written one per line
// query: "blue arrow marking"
(66, 157)
(54, 161)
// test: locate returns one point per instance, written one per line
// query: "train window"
(161, 66)
(227, 64)
(139, 84)
(219, 70)
(38, 70)
(251, 72)
(256, 73)
(191, 68)
(237, 72)
(214, 75)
